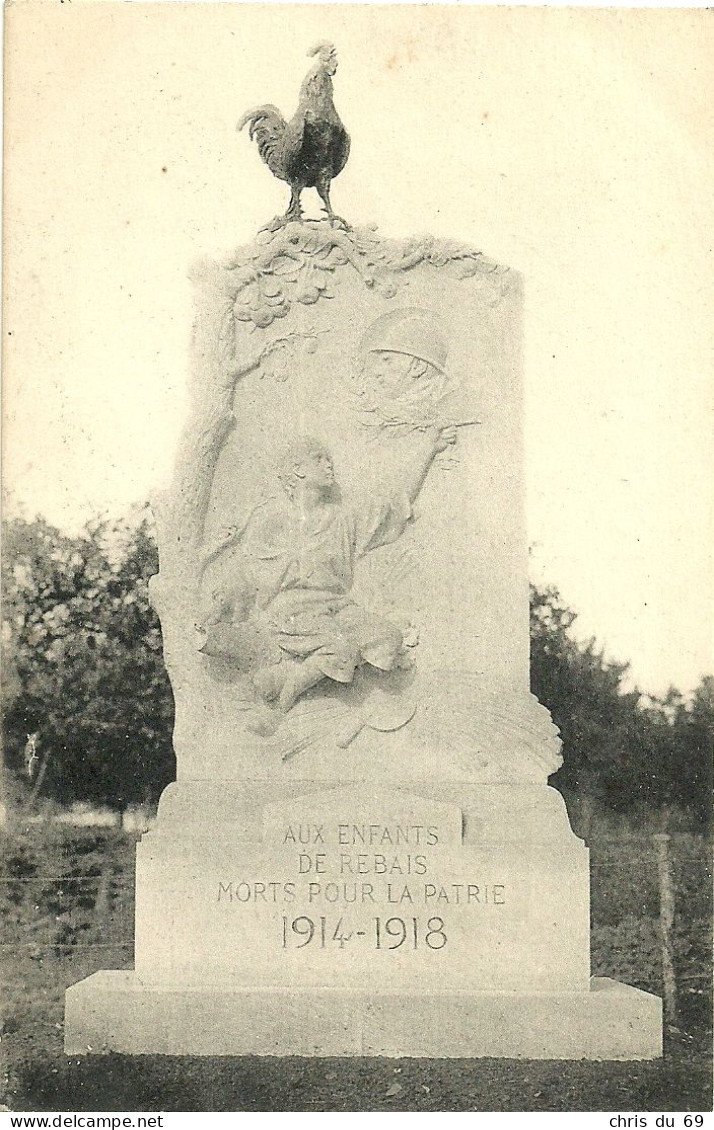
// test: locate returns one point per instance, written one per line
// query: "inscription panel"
(349, 887)
(362, 889)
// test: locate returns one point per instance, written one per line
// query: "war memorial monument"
(361, 854)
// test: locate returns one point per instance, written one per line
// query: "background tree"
(692, 740)
(623, 752)
(83, 667)
(83, 648)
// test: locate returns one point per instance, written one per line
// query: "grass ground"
(67, 902)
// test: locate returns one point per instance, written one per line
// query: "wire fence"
(68, 894)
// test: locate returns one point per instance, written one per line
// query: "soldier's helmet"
(409, 330)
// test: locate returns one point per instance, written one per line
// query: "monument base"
(113, 1011)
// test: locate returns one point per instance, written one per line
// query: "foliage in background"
(83, 660)
(623, 752)
(83, 667)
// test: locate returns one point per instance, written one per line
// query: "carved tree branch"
(201, 444)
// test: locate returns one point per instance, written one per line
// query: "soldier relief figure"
(401, 385)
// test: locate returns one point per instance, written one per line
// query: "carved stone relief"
(295, 598)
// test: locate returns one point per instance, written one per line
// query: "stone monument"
(361, 854)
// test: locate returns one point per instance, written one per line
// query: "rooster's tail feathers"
(267, 128)
(262, 117)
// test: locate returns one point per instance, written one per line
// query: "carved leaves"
(279, 357)
(298, 263)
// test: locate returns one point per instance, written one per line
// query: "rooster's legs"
(323, 191)
(294, 211)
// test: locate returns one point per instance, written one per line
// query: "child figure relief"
(299, 553)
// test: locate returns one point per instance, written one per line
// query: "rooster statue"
(313, 147)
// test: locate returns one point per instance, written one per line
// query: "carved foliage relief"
(299, 263)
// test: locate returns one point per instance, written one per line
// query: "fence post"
(38, 781)
(102, 902)
(666, 924)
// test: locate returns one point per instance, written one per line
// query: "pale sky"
(573, 146)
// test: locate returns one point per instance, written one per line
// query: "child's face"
(316, 469)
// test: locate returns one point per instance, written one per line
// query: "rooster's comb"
(321, 45)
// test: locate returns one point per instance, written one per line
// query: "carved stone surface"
(418, 631)
(331, 879)
(300, 262)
